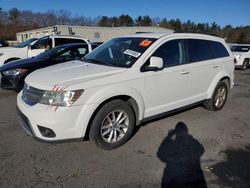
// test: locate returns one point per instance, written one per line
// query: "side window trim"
(185, 45)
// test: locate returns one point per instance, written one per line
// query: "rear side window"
(218, 49)
(198, 50)
(60, 41)
(171, 52)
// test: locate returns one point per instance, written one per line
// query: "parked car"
(124, 82)
(8, 54)
(242, 55)
(29, 49)
(14, 73)
(3, 43)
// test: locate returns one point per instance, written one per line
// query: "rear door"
(203, 66)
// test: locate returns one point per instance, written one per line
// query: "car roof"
(149, 35)
(158, 35)
(66, 36)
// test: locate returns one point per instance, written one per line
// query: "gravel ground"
(209, 149)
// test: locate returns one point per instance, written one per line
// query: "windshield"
(120, 52)
(26, 43)
(240, 48)
(52, 52)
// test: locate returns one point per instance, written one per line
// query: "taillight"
(235, 61)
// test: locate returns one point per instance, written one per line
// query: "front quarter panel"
(92, 99)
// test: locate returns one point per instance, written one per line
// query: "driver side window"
(43, 43)
(172, 53)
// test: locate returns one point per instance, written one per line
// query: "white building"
(94, 34)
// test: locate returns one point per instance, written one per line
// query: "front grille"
(31, 95)
(24, 121)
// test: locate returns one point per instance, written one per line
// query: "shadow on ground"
(235, 171)
(182, 154)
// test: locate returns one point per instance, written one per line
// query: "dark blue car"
(14, 73)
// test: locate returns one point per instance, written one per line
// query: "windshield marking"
(145, 43)
(132, 53)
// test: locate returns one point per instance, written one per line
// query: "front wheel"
(219, 97)
(113, 125)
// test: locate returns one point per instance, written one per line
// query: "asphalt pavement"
(192, 148)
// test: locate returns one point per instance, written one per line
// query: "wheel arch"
(247, 59)
(220, 77)
(131, 96)
(11, 59)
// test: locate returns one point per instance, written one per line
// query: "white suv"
(124, 82)
(242, 56)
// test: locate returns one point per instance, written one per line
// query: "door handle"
(185, 72)
(215, 66)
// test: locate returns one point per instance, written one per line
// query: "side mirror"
(29, 47)
(155, 64)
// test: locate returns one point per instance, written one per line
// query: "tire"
(219, 97)
(112, 125)
(244, 65)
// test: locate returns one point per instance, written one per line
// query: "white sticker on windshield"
(132, 53)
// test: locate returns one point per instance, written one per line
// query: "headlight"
(14, 72)
(60, 98)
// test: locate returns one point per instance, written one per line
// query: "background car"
(14, 73)
(3, 43)
(37, 46)
(242, 56)
(8, 54)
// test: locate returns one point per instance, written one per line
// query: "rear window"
(198, 50)
(218, 49)
(60, 41)
(240, 48)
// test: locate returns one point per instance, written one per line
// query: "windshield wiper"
(98, 62)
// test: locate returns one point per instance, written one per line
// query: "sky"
(223, 12)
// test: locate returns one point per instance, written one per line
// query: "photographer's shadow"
(181, 153)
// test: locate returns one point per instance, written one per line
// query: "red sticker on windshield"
(145, 43)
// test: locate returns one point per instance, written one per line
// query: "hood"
(69, 73)
(22, 63)
(11, 49)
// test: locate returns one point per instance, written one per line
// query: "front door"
(167, 89)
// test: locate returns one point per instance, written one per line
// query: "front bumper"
(25, 123)
(66, 122)
(12, 82)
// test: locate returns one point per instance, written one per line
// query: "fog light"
(46, 132)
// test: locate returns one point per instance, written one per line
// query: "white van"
(124, 82)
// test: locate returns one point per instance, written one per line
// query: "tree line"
(14, 20)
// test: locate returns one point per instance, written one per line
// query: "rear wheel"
(219, 97)
(245, 65)
(113, 125)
